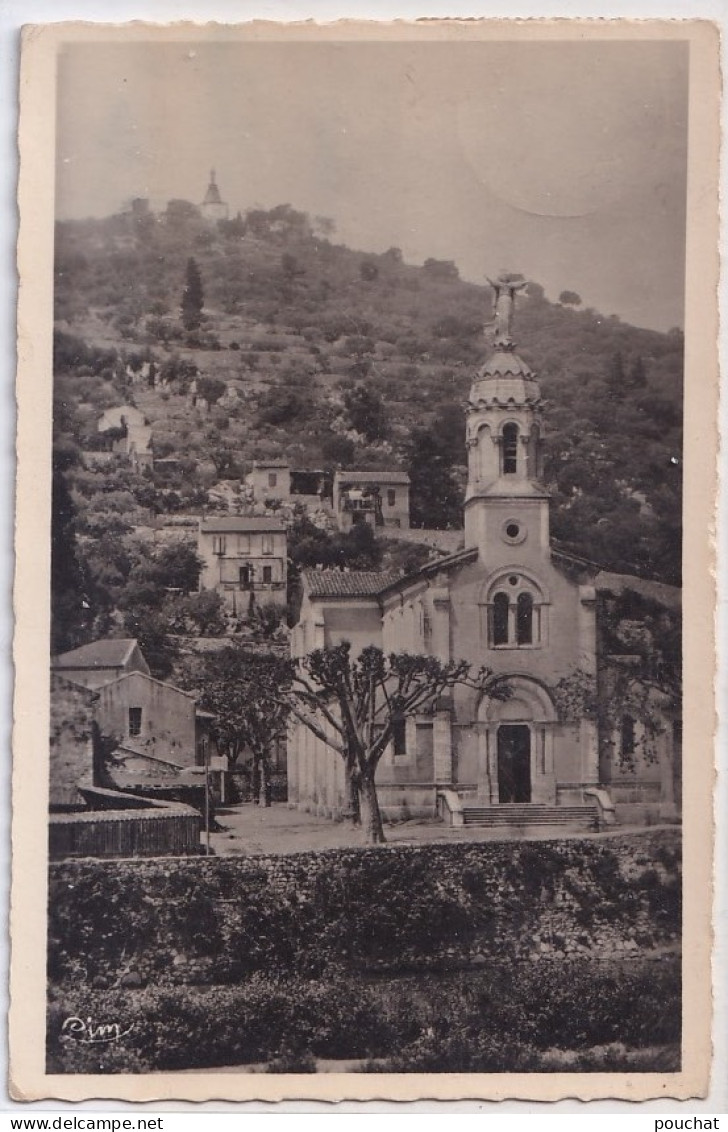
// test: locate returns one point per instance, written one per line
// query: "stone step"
(529, 814)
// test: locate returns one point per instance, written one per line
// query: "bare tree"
(353, 705)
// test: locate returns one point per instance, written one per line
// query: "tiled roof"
(438, 566)
(110, 653)
(352, 583)
(231, 524)
(394, 476)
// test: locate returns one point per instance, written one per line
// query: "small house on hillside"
(95, 664)
(130, 434)
(379, 498)
(244, 557)
(270, 479)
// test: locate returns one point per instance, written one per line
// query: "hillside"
(331, 357)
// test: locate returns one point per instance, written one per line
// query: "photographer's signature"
(89, 1032)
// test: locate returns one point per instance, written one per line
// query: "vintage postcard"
(367, 456)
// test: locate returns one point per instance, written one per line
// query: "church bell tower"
(506, 504)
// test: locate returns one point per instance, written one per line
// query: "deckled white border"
(12, 13)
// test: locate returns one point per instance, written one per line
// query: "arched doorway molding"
(530, 704)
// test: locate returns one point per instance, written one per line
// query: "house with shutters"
(378, 498)
(244, 557)
(514, 602)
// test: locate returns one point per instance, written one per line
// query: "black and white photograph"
(356, 462)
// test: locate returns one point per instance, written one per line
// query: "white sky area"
(563, 161)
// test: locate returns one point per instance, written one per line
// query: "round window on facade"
(513, 531)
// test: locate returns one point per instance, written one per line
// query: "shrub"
(503, 1018)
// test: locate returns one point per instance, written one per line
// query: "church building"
(509, 601)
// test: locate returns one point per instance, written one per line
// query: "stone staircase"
(509, 815)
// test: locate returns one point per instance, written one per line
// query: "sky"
(565, 161)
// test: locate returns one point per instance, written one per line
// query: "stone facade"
(73, 740)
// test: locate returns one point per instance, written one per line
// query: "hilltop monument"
(213, 207)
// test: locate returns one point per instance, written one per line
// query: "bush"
(260, 1021)
(502, 1019)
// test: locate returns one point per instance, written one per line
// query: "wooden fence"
(162, 829)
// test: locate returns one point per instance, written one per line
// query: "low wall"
(218, 920)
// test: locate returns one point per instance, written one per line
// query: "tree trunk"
(267, 787)
(255, 782)
(372, 818)
(353, 808)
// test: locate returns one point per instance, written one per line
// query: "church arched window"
(516, 612)
(510, 449)
(500, 619)
(524, 619)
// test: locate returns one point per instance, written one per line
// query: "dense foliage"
(338, 357)
(506, 1018)
(437, 958)
(241, 688)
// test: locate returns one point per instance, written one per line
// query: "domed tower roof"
(504, 377)
(505, 362)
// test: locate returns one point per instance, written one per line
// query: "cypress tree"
(192, 297)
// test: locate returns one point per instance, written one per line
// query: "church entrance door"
(514, 762)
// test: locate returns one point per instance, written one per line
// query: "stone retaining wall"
(218, 920)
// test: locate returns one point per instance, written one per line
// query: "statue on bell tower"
(504, 437)
(506, 288)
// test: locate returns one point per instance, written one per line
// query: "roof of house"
(263, 465)
(61, 686)
(430, 569)
(234, 523)
(347, 583)
(392, 476)
(109, 653)
(116, 680)
(129, 747)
